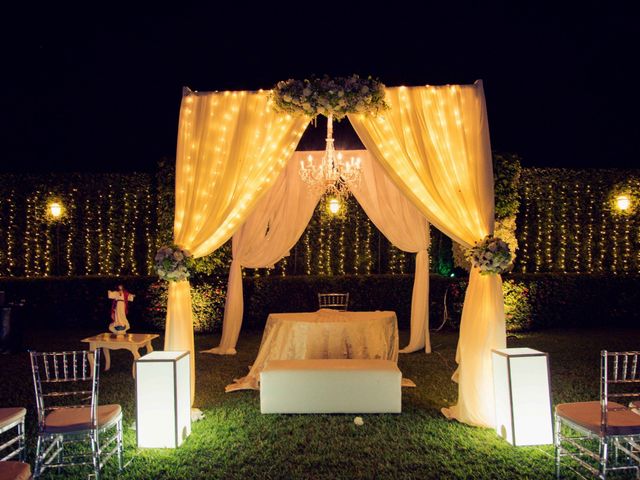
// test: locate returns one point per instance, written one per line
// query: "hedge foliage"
(568, 222)
(531, 301)
(115, 222)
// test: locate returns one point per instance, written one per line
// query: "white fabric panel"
(272, 229)
(404, 226)
(433, 142)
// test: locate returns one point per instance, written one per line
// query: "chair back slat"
(338, 301)
(618, 380)
(45, 359)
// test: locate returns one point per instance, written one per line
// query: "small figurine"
(119, 309)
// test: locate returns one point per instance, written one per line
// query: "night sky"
(100, 90)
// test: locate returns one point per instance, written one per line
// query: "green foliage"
(506, 178)
(531, 301)
(567, 223)
(517, 304)
(207, 301)
(165, 206)
(116, 222)
(562, 300)
(108, 227)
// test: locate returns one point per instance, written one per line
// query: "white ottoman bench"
(330, 386)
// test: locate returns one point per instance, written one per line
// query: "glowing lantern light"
(623, 202)
(334, 205)
(163, 399)
(55, 209)
(522, 396)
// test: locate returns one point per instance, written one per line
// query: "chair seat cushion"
(15, 471)
(620, 420)
(63, 420)
(11, 415)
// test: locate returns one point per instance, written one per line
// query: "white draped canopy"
(279, 220)
(428, 160)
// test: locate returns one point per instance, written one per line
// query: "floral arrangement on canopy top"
(173, 263)
(491, 255)
(336, 97)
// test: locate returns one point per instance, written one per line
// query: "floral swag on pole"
(173, 263)
(328, 96)
(491, 255)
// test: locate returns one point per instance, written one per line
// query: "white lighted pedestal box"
(522, 396)
(163, 399)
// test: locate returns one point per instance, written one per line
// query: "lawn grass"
(236, 441)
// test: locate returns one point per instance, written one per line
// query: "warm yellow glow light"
(623, 202)
(334, 205)
(163, 397)
(522, 397)
(55, 209)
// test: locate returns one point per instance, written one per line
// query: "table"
(323, 334)
(129, 341)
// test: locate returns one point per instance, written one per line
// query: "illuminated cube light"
(163, 399)
(522, 396)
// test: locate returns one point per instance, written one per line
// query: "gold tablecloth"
(323, 334)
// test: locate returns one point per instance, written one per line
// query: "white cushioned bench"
(330, 386)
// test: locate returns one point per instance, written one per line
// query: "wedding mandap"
(427, 161)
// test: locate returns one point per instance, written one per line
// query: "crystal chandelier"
(332, 174)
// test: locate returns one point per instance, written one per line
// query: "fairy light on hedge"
(368, 258)
(577, 236)
(356, 243)
(307, 250)
(562, 249)
(327, 253)
(341, 245)
(590, 246)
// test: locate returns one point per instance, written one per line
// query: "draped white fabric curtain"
(406, 228)
(268, 235)
(433, 143)
(231, 149)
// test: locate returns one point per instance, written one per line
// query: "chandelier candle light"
(333, 174)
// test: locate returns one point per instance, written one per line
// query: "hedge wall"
(568, 221)
(114, 223)
(532, 301)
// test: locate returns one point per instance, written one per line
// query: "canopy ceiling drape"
(231, 148)
(433, 143)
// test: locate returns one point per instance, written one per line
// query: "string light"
(307, 250)
(589, 226)
(577, 237)
(524, 254)
(71, 233)
(341, 244)
(562, 249)
(151, 246)
(89, 266)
